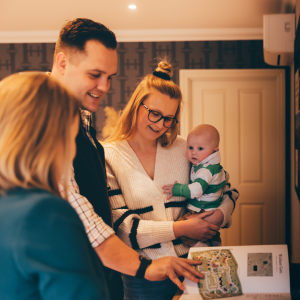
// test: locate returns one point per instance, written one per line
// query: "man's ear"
(61, 62)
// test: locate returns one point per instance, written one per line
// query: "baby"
(207, 177)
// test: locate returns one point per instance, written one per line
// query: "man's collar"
(86, 119)
(85, 113)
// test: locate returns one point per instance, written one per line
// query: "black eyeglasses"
(155, 116)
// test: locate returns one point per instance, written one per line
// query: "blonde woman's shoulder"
(179, 138)
(180, 141)
(113, 147)
(107, 145)
(179, 144)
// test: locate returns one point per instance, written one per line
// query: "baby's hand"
(168, 190)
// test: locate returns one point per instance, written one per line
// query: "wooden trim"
(49, 36)
(144, 35)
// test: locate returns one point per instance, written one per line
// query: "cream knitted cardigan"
(142, 216)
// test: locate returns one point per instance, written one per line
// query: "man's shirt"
(95, 227)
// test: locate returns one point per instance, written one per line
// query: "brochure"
(242, 272)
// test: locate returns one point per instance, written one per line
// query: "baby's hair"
(209, 131)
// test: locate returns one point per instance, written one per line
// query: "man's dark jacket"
(90, 173)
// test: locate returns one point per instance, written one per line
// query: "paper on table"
(255, 296)
(275, 286)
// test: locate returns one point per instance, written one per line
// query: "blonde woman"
(142, 155)
(44, 250)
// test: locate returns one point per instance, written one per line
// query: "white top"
(143, 217)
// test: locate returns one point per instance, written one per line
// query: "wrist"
(176, 190)
(178, 228)
(145, 263)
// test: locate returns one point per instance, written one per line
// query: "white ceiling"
(20, 16)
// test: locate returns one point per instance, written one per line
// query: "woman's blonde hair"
(36, 114)
(126, 124)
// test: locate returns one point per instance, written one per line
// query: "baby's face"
(198, 148)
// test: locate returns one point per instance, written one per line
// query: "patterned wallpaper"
(137, 59)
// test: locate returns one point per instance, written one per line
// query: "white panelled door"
(247, 107)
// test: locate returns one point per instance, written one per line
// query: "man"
(85, 61)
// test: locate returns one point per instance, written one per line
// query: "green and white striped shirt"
(207, 180)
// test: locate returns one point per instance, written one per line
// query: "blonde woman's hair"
(126, 124)
(36, 114)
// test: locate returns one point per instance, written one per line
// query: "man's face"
(88, 75)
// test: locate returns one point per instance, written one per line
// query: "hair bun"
(165, 67)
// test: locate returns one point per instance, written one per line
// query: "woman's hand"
(196, 228)
(173, 267)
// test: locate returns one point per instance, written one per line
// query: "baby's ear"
(216, 149)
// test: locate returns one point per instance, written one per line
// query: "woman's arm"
(138, 233)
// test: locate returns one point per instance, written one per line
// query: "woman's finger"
(212, 233)
(214, 228)
(208, 235)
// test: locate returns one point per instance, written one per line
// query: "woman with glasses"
(143, 154)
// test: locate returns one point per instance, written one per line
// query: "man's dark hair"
(74, 35)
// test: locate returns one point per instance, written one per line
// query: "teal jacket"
(44, 250)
